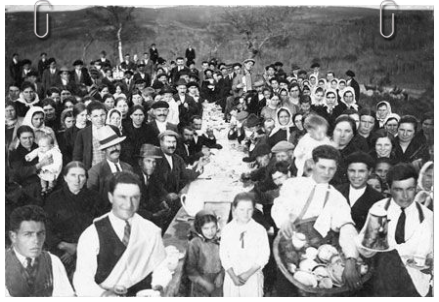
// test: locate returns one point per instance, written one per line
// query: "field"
(339, 38)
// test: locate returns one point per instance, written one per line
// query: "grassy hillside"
(340, 38)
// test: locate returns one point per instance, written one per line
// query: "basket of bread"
(313, 265)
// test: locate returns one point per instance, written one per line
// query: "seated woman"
(23, 172)
(284, 125)
(70, 211)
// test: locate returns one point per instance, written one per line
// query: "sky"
(58, 5)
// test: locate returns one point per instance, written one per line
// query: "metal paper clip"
(383, 4)
(35, 18)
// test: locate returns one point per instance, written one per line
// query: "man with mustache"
(171, 169)
(100, 174)
(30, 271)
(159, 125)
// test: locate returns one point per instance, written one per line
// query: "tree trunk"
(119, 39)
(86, 46)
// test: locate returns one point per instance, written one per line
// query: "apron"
(391, 278)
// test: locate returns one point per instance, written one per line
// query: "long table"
(216, 187)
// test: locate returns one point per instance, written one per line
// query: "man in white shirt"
(100, 174)
(30, 271)
(121, 253)
(357, 192)
(406, 270)
(315, 198)
(160, 123)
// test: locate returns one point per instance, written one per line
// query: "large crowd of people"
(97, 155)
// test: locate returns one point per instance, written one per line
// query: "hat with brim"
(63, 69)
(166, 89)
(180, 82)
(278, 64)
(141, 65)
(258, 83)
(149, 151)
(282, 146)
(168, 133)
(249, 60)
(108, 137)
(350, 73)
(314, 65)
(78, 62)
(252, 121)
(159, 104)
(241, 116)
(208, 69)
(128, 71)
(192, 84)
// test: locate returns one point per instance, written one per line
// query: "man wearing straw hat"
(121, 253)
(100, 174)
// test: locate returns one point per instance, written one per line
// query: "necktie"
(126, 234)
(400, 228)
(241, 238)
(31, 271)
(117, 168)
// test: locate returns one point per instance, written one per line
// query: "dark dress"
(69, 141)
(340, 176)
(417, 149)
(135, 138)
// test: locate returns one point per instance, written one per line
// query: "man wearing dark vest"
(30, 271)
(121, 253)
(357, 192)
(405, 270)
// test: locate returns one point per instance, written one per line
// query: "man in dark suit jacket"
(353, 83)
(42, 64)
(187, 106)
(14, 69)
(128, 64)
(50, 75)
(159, 125)
(153, 205)
(142, 75)
(175, 72)
(149, 64)
(104, 61)
(80, 74)
(153, 53)
(358, 193)
(65, 81)
(100, 174)
(128, 82)
(190, 54)
(86, 145)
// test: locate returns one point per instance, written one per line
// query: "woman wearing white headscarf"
(34, 118)
(349, 99)
(332, 108)
(383, 110)
(284, 124)
(425, 185)
(341, 89)
(391, 123)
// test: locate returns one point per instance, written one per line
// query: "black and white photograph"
(232, 149)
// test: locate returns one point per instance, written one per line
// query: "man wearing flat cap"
(141, 74)
(278, 66)
(65, 81)
(80, 74)
(159, 124)
(104, 60)
(175, 72)
(100, 174)
(353, 83)
(128, 82)
(187, 106)
(172, 171)
(50, 75)
(153, 205)
(249, 76)
(194, 91)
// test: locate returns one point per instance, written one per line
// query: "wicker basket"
(315, 242)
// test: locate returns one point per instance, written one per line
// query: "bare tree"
(115, 21)
(258, 25)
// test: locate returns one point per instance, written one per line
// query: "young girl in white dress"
(244, 251)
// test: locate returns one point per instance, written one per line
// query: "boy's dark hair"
(325, 152)
(78, 108)
(48, 102)
(243, 196)
(26, 213)
(360, 157)
(401, 171)
(409, 119)
(305, 99)
(136, 107)
(95, 105)
(123, 178)
(52, 90)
